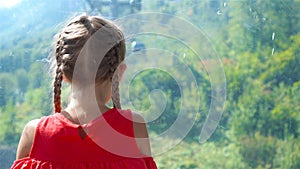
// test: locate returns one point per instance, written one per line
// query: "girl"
(84, 135)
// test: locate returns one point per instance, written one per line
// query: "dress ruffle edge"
(130, 163)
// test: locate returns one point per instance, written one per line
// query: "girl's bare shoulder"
(31, 125)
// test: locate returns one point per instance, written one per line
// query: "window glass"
(217, 81)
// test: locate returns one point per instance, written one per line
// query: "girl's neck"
(88, 102)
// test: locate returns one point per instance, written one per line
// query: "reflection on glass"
(257, 47)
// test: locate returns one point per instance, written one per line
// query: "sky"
(8, 3)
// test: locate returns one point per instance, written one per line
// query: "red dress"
(107, 143)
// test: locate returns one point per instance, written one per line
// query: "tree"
(8, 88)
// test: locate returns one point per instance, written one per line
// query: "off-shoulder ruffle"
(128, 163)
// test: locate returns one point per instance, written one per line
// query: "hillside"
(255, 44)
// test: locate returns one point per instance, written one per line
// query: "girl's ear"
(65, 79)
(122, 69)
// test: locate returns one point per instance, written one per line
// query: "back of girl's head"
(71, 41)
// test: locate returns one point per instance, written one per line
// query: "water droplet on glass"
(44, 60)
(273, 35)
(219, 12)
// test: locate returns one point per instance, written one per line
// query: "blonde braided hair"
(69, 45)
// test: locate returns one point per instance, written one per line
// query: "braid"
(115, 91)
(57, 91)
(113, 70)
(58, 78)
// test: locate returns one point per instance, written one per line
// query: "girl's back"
(60, 143)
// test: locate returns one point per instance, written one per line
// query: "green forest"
(258, 44)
